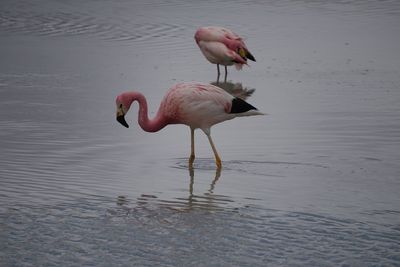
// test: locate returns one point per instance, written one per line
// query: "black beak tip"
(250, 56)
(121, 119)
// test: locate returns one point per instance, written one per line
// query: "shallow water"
(314, 183)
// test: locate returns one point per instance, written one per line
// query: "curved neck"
(148, 125)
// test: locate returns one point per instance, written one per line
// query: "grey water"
(316, 182)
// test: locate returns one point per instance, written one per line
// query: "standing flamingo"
(222, 46)
(197, 105)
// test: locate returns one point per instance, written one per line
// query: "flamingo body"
(221, 46)
(197, 105)
(218, 53)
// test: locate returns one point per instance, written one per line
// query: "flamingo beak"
(242, 53)
(121, 117)
(250, 56)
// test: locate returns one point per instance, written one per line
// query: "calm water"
(314, 183)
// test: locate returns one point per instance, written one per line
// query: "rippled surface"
(314, 183)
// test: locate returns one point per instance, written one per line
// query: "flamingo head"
(123, 105)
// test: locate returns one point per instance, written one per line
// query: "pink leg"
(218, 161)
(191, 158)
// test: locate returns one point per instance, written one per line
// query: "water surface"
(314, 183)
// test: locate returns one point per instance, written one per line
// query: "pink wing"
(215, 34)
(218, 53)
(196, 104)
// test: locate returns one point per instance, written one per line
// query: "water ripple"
(63, 23)
(263, 168)
(248, 235)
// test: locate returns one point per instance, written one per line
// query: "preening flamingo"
(222, 47)
(197, 105)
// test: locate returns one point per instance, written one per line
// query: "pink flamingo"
(197, 105)
(222, 46)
